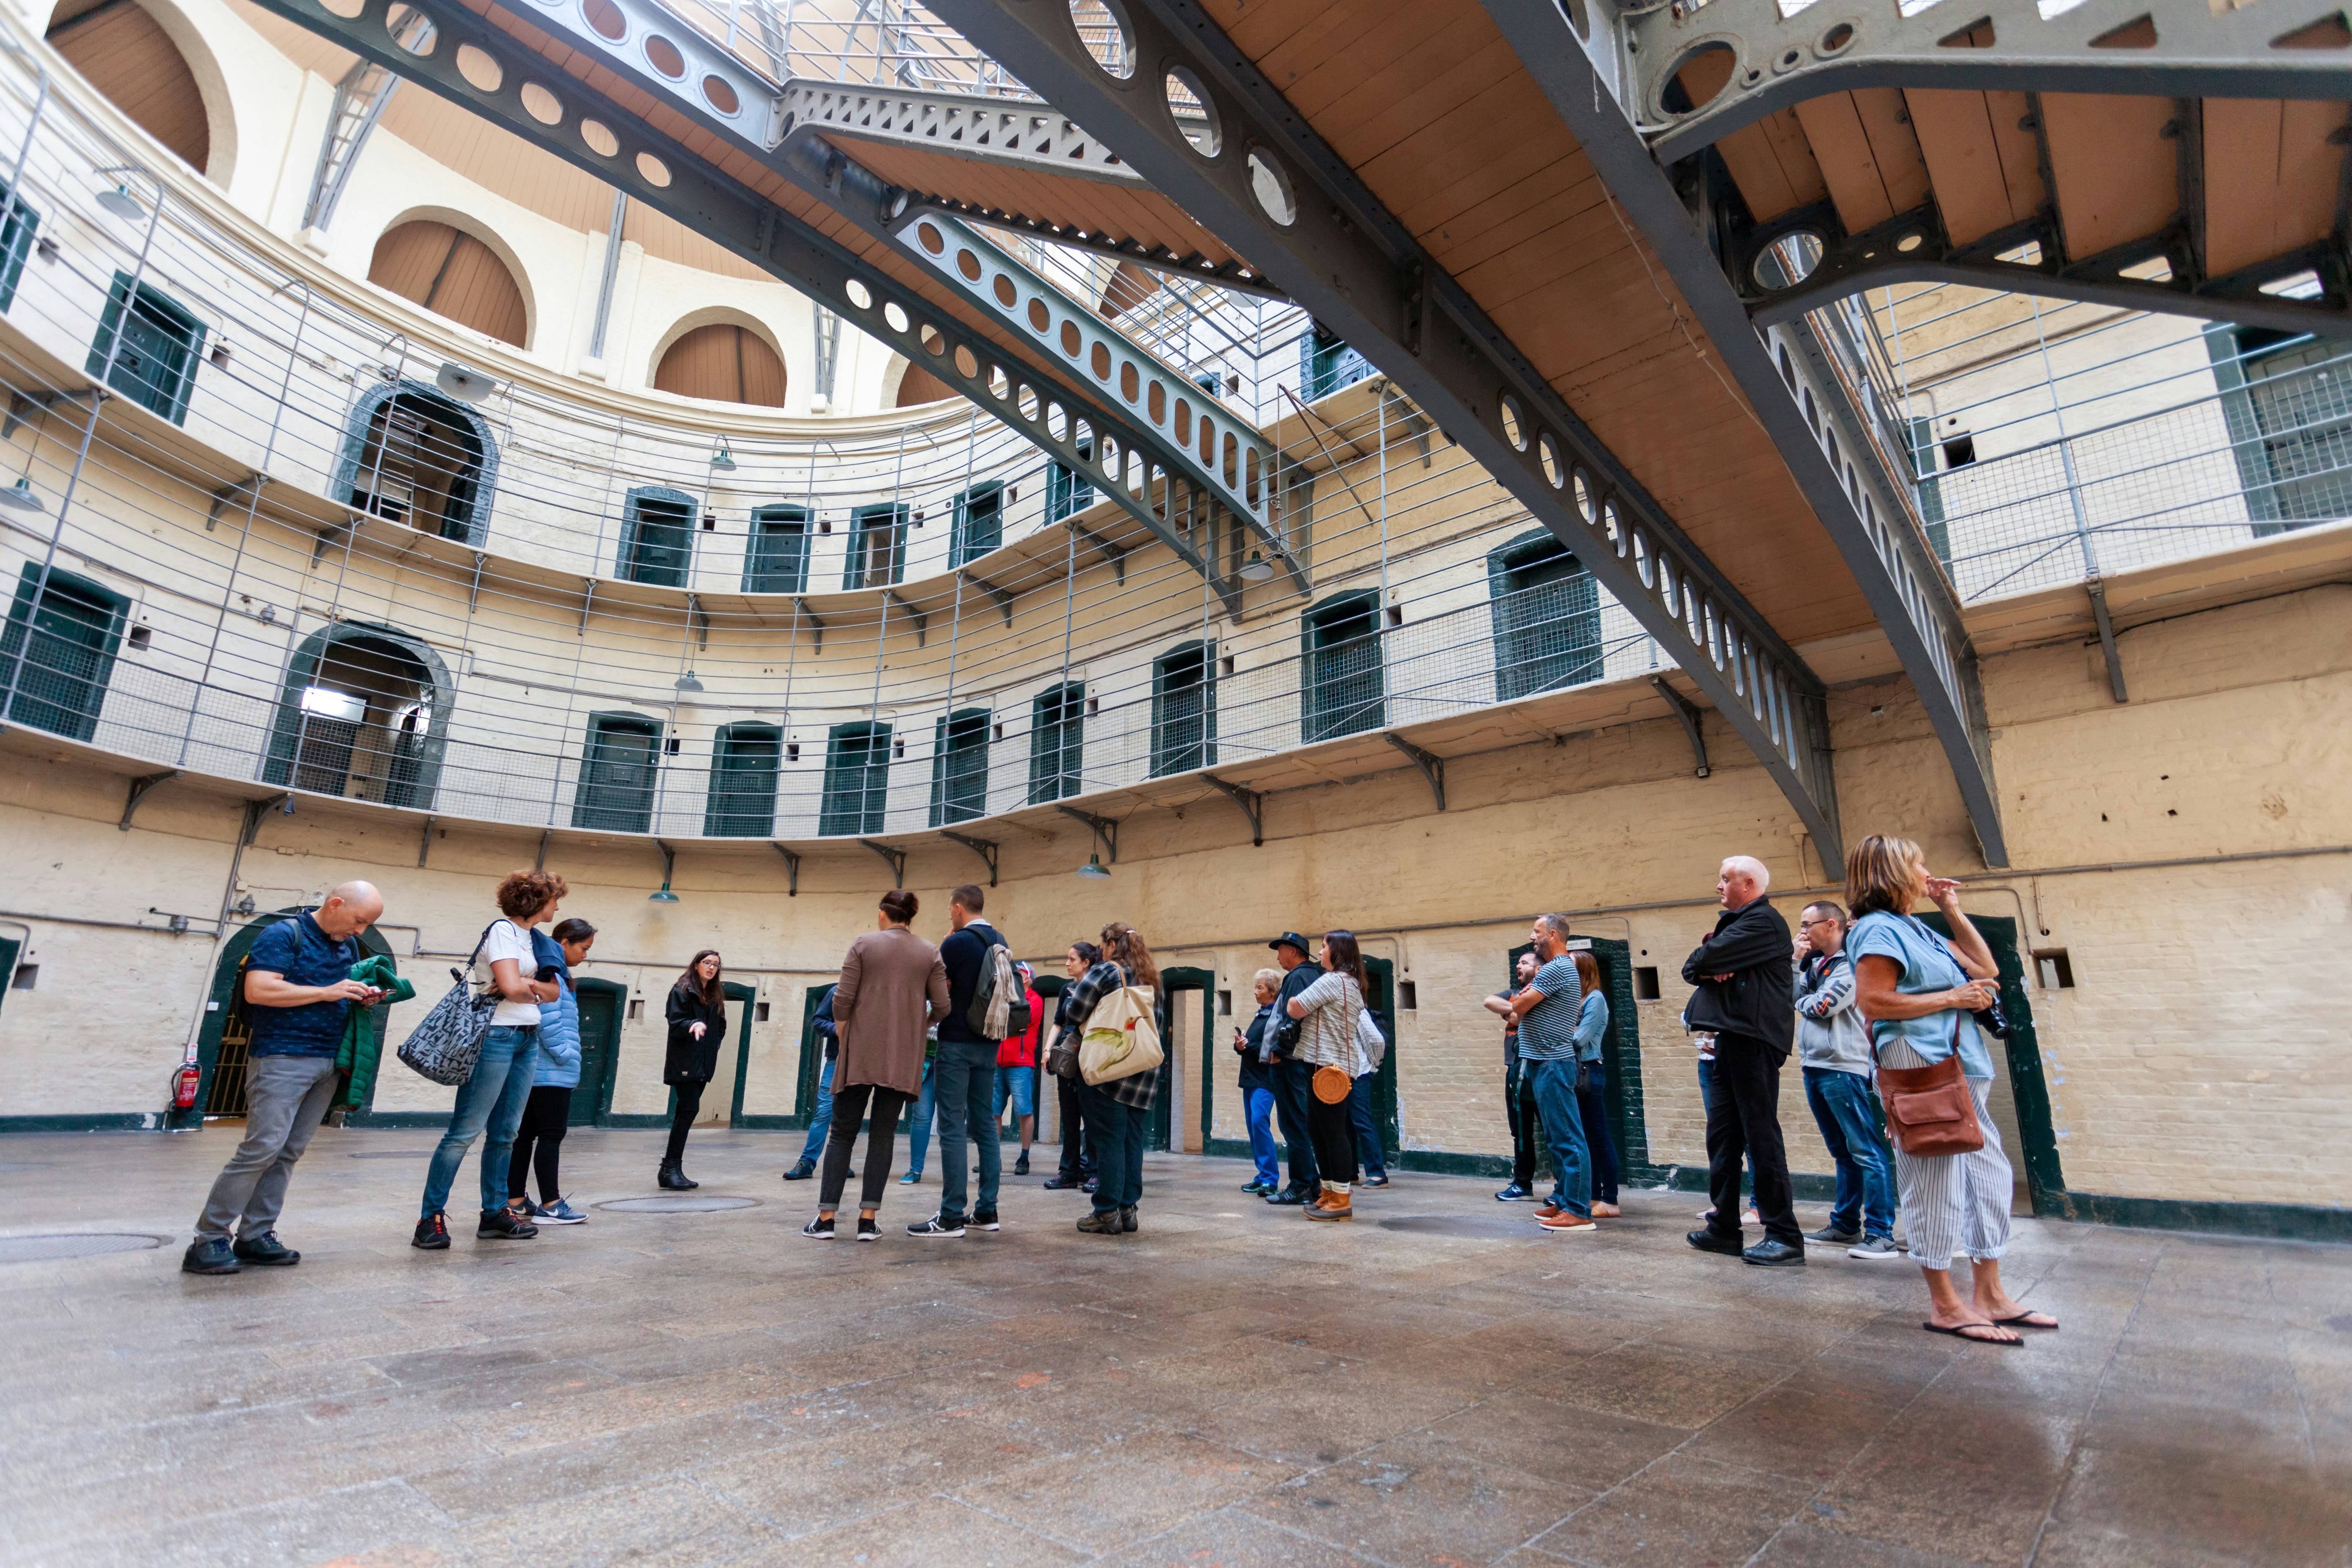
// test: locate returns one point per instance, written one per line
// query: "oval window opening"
(720, 93)
(653, 169)
(665, 57)
(599, 138)
(1195, 113)
(1271, 186)
(1790, 260)
(605, 17)
(933, 241)
(895, 316)
(1102, 28)
(482, 73)
(1702, 77)
(1513, 429)
(859, 295)
(541, 104)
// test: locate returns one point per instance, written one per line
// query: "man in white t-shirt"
(493, 1097)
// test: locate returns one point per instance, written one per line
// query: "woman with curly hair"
(492, 1099)
(1117, 1113)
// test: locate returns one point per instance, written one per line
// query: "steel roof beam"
(1143, 407)
(1792, 381)
(2178, 49)
(1264, 183)
(1056, 414)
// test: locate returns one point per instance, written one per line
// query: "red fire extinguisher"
(183, 1085)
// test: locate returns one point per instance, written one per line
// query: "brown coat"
(879, 1007)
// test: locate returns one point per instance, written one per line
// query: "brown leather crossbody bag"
(1930, 1110)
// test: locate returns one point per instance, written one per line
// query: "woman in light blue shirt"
(1592, 1100)
(1917, 990)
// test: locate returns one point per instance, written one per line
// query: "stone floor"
(1435, 1383)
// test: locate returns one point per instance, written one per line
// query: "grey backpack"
(448, 1042)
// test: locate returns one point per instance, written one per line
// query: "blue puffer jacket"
(558, 1022)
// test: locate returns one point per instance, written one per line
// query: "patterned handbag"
(448, 1042)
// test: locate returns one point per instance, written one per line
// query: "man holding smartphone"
(298, 987)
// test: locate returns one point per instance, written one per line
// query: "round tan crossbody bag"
(1334, 1084)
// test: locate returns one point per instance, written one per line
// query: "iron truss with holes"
(1243, 164)
(2185, 159)
(1193, 473)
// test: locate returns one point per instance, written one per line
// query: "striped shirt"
(1548, 1030)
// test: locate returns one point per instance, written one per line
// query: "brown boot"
(1334, 1206)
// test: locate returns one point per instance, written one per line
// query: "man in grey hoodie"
(1833, 1045)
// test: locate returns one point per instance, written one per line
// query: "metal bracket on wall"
(545, 834)
(425, 841)
(792, 868)
(1106, 831)
(587, 601)
(139, 788)
(230, 493)
(256, 810)
(474, 590)
(893, 859)
(922, 622)
(800, 608)
(2097, 588)
(1253, 806)
(1432, 765)
(980, 847)
(1688, 713)
(1116, 554)
(21, 404)
(1004, 600)
(669, 862)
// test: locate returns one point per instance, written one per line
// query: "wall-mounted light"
(21, 497)
(466, 385)
(1094, 870)
(723, 459)
(686, 682)
(1257, 569)
(122, 204)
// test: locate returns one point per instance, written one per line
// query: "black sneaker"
(503, 1224)
(1831, 1236)
(818, 1230)
(267, 1250)
(801, 1170)
(212, 1254)
(1286, 1199)
(1060, 1183)
(932, 1228)
(985, 1219)
(1021, 1166)
(1089, 1185)
(431, 1232)
(868, 1231)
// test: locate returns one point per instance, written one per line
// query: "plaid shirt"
(1080, 999)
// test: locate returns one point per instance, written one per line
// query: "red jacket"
(1021, 1050)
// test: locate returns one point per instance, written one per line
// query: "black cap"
(1292, 939)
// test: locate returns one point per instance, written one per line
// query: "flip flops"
(1959, 1331)
(2025, 1320)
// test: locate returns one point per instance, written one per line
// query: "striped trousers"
(1953, 1203)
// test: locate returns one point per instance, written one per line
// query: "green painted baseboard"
(2280, 1222)
(86, 1121)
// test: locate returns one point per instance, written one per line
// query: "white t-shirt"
(508, 939)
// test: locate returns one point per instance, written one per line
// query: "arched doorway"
(227, 1034)
(919, 387)
(364, 715)
(453, 274)
(413, 456)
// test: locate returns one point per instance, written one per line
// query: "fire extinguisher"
(184, 1078)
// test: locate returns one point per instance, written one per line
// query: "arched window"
(620, 771)
(1339, 655)
(919, 385)
(656, 537)
(1185, 709)
(1057, 742)
(59, 651)
(416, 457)
(856, 779)
(724, 363)
(364, 713)
(126, 55)
(453, 275)
(959, 767)
(744, 761)
(1547, 612)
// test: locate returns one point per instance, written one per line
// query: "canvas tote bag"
(1122, 1037)
(448, 1042)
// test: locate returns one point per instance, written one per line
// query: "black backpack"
(983, 992)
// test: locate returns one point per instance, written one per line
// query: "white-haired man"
(298, 984)
(1745, 992)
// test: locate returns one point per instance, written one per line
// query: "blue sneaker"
(209, 1255)
(560, 1212)
(910, 1178)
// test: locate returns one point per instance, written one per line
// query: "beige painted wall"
(2200, 1054)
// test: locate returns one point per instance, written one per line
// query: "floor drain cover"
(395, 1155)
(51, 1248)
(677, 1206)
(1485, 1229)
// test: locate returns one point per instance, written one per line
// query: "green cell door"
(1172, 980)
(601, 1005)
(1381, 973)
(228, 1032)
(812, 1054)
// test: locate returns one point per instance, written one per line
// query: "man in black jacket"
(963, 1074)
(1746, 992)
(1290, 1077)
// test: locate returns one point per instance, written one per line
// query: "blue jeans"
(1846, 1110)
(491, 1100)
(1258, 1110)
(1369, 1153)
(1572, 1163)
(1118, 1131)
(963, 1083)
(821, 1120)
(1593, 1107)
(919, 1126)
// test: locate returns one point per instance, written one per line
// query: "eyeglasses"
(1808, 925)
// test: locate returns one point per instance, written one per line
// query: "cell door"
(1381, 973)
(601, 1003)
(811, 1053)
(1620, 1050)
(1172, 982)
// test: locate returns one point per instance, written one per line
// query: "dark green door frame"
(743, 994)
(1172, 980)
(226, 971)
(598, 1084)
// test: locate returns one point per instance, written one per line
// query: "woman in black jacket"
(697, 1023)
